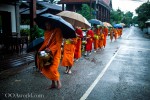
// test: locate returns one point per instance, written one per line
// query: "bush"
(36, 32)
(25, 32)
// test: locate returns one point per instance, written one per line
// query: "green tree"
(85, 11)
(36, 32)
(116, 16)
(127, 19)
(135, 20)
(143, 13)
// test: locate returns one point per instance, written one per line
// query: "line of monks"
(95, 39)
(72, 48)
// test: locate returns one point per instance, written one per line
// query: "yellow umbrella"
(122, 24)
(75, 19)
(107, 24)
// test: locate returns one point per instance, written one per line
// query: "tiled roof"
(107, 2)
(37, 11)
(45, 5)
(51, 6)
(74, 1)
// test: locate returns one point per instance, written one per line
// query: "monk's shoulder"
(58, 30)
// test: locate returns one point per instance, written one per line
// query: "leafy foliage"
(119, 16)
(143, 13)
(85, 11)
(36, 32)
(127, 19)
(25, 32)
(135, 20)
(116, 16)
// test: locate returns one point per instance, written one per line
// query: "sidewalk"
(15, 63)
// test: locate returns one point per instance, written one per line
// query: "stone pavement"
(15, 63)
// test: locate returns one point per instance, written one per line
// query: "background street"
(120, 71)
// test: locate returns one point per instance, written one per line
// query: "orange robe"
(115, 34)
(55, 46)
(96, 38)
(68, 53)
(120, 30)
(105, 36)
(111, 34)
(101, 40)
(88, 45)
(77, 53)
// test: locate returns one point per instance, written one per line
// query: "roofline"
(60, 2)
(107, 7)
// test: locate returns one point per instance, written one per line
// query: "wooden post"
(17, 19)
(32, 14)
(63, 7)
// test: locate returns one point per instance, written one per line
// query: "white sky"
(127, 5)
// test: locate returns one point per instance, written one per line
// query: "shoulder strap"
(49, 40)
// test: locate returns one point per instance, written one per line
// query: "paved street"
(118, 72)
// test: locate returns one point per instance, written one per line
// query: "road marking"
(89, 90)
(129, 33)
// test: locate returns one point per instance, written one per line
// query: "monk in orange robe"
(101, 39)
(89, 40)
(96, 37)
(51, 72)
(79, 35)
(105, 36)
(120, 31)
(68, 54)
(115, 33)
(111, 34)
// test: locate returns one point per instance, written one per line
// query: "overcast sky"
(127, 5)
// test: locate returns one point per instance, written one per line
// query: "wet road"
(118, 72)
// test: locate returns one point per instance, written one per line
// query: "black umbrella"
(95, 21)
(67, 29)
(35, 44)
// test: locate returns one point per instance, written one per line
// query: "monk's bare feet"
(66, 71)
(51, 87)
(59, 84)
(69, 71)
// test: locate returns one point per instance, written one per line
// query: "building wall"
(10, 8)
(102, 7)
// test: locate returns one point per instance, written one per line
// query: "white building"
(9, 17)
